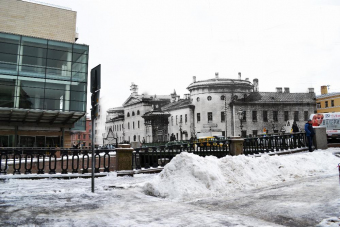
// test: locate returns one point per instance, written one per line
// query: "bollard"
(124, 160)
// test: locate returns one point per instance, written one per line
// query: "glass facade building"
(42, 74)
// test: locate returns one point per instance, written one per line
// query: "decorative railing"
(23, 160)
(147, 157)
(273, 143)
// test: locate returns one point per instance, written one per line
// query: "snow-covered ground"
(300, 189)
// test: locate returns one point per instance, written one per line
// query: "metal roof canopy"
(38, 118)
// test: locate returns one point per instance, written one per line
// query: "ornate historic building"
(216, 106)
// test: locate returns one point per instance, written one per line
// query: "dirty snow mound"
(189, 176)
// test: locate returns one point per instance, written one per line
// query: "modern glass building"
(42, 83)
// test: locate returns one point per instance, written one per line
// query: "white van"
(329, 120)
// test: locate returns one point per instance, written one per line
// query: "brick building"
(83, 138)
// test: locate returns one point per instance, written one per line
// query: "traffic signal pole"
(95, 89)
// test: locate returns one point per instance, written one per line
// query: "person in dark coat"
(309, 134)
(295, 127)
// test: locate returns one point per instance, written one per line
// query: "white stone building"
(213, 107)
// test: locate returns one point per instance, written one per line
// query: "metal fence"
(148, 157)
(18, 160)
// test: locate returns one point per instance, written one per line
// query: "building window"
(84, 136)
(128, 114)
(176, 120)
(134, 138)
(210, 117)
(84, 144)
(78, 136)
(265, 116)
(128, 125)
(326, 104)
(133, 125)
(318, 105)
(172, 120)
(306, 117)
(222, 116)
(186, 118)
(254, 115)
(254, 133)
(286, 117)
(198, 99)
(95, 132)
(222, 97)
(138, 124)
(198, 117)
(209, 98)
(275, 113)
(332, 103)
(296, 115)
(138, 113)
(180, 119)
(133, 113)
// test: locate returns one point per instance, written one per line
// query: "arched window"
(198, 99)
(138, 112)
(133, 113)
(128, 114)
(134, 138)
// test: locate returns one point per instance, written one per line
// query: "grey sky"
(160, 45)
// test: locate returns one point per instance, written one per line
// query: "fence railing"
(147, 157)
(154, 156)
(20, 160)
(273, 143)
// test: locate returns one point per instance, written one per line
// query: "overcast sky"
(160, 45)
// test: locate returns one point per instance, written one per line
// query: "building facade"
(83, 138)
(328, 102)
(218, 106)
(43, 82)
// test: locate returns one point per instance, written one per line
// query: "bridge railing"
(29, 160)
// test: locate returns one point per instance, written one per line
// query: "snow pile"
(189, 176)
(330, 222)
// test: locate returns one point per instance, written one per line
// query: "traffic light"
(95, 79)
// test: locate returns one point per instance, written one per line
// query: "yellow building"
(327, 102)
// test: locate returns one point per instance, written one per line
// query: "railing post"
(124, 160)
(236, 146)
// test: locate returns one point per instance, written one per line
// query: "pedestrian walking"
(295, 127)
(310, 134)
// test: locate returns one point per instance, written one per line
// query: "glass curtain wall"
(42, 74)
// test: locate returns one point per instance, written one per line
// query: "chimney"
(311, 90)
(239, 75)
(279, 89)
(216, 75)
(256, 85)
(286, 89)
(194, 79)
(324, 90)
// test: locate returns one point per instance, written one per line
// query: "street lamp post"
(273, 126)
(240, 115)
(180, 129)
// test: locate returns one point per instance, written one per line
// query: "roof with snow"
(328, 95)
(182, 103)
(274, 97)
